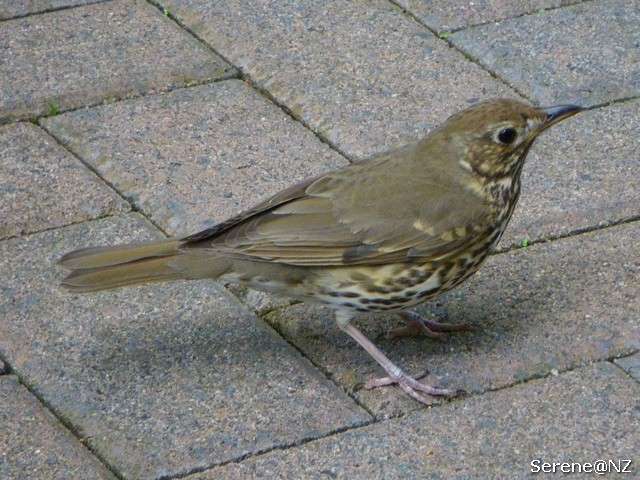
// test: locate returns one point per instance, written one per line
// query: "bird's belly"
(398, 286)
(389, 287)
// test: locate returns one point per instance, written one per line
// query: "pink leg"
(418, 325)
(396, 376)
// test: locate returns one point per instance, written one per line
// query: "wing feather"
(357, 215)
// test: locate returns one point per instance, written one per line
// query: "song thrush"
(381, 235)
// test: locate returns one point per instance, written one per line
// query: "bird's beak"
(558, 113)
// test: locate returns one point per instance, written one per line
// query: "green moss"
(53, 109)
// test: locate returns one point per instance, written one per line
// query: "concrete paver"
(360, 73)
(160, 379)
(44, 186)
(196, 156)
(35, 445)
(81, 56)
(551, 306)
(580, 416)
(586, 53)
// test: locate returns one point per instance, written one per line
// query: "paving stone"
(631, 365)
(547, 307)
(442, 15)
(195, 156)
(579, 174)
(580, 416)
(587, 53)
(35, 445)
(43, 186)
(84, 55)
(159, 379)
(361, 73)
(17, 8)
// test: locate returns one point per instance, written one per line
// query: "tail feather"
(113, 276)
(94, 257)
(102, 268)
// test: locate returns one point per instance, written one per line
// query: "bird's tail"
(102, 268)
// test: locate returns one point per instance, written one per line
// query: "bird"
(381, 235)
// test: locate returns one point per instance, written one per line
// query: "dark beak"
(559, 113)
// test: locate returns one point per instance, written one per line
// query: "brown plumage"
(385, 234)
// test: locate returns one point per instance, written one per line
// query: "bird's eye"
(507, 135)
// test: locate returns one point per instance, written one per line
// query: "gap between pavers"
(631, 365)
(34, 445)
(43, 186)
(443, 15)
(10, 9)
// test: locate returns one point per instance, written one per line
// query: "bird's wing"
(354, 216)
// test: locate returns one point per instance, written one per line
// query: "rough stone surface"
(3, 367)
(360, 73)
(631, 365)
(580, 416)
(587, 53)
(579, 174)
(158, 379)
(35, 445)
(43, 186)
(550, 306)
(84, 55)
(260, 302)
(195, 156)
(442, 15)
(17, 8)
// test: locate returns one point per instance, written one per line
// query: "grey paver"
(35, 445)
(443, 15)
(581, 173)
(159, 379)
(16, 8)
(43, 186)
(586, 53)
(550, 306)
(631, 365)
(83, 55)
(361, 73)
(195, 156)
(581, 416)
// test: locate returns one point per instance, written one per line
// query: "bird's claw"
(418, 325)
(413, 388)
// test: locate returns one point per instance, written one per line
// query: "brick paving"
(128, 119)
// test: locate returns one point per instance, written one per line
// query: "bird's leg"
(409, 385)
(418, 325)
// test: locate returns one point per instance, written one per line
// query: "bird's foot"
(396, 376)
(417, 325)
(412, 387)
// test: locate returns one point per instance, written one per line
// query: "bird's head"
(493, 137)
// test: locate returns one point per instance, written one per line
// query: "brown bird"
(386, 234)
